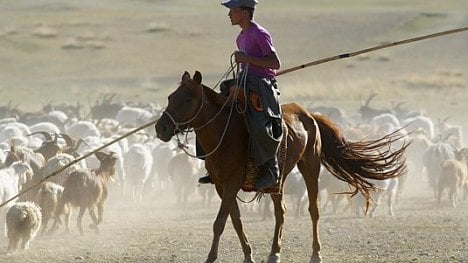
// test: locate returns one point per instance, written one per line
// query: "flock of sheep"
(35, 146)
(436, 153)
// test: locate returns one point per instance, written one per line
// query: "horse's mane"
(214, 97)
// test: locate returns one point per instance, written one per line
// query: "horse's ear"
(197, 77)
(186, 76)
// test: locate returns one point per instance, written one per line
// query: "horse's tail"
(356, 162)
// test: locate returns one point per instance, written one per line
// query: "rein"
(232, 96)
(178, 124)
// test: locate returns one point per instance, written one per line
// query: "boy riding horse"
(258, 62)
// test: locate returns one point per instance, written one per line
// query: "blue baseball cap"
(240, 3)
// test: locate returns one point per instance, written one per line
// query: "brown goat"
(453, 176)
(49, 147)
(87, 189)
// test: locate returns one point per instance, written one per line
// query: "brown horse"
(311, 140)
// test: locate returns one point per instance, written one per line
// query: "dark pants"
(264, 126)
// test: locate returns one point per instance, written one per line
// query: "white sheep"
(133, 116)
(162, 155)
(58, 115)
(107, 126)
(387, 187)
(12, 178)
(2, 156)
(23, 128)
(138, 162)
(45, 126)
(184, 171)
(436, 154)
(452, 132)
(420, 123)
(139, 137)
(82, 129)
(465, 189)
(47, 198)
(385, 118)
(118, 150)
(23, 221)
(8, 132)
(57, 162)
(419, 144)
(334, 189)
(453, 176)
(7, 120)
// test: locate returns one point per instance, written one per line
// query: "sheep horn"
(69, 140)
(78, 143)
(43, 133)
(398, 105)
(370, 98)
(464, 151)
(56, 137)
(446, 118)
(11, 158)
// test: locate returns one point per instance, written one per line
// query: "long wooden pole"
(367, 50)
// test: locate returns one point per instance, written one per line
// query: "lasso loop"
(231, 98)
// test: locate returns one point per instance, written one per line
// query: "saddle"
(254, 98)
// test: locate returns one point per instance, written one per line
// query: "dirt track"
(157, 231)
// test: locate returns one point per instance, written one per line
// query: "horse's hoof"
(276, 258)
(248, 259)
(316, 259)
(210, 260)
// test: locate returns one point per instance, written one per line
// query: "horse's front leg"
(237, 222)
(280, 210)
(228, 197)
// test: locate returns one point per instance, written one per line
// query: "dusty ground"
(159, 231)
(64, 52)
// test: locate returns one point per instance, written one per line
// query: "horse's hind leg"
(236, 221)
(310, 170)
(280, 210)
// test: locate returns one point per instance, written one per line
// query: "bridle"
(177, 125)
(186, 122)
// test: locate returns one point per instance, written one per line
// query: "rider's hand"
(240, 57)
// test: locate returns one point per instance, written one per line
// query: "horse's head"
(184, 104)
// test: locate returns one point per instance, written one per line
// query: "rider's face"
(237, 15)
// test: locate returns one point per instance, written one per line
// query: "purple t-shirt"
(256, 41)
